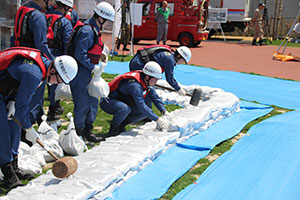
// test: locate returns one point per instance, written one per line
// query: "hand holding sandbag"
(31, 135)
(10, 107)
(162, 124)
(166, 113)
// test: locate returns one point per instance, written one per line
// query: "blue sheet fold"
(262, 165)
(153, 181)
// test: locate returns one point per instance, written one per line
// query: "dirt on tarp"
(236, 54)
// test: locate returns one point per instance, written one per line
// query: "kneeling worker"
(166, 58)
(22, 72)
(126, 101)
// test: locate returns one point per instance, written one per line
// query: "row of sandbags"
(107, 166)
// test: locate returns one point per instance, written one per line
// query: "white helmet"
(152, 69)
(66, 2)
(66, 67)
(105, 10)
(185, 52)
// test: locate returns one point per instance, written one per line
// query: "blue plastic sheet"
(153, 181)
(265, 90)
(262, 165)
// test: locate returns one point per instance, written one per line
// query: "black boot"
(11, 180)
(90, 136)
(114, 130)
(260, 42)
(52, 115)
(58, 108)
(122, 126)
(20, 173)
(254, 42)
(87, 135)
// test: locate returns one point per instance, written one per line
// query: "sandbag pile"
(107, 166)
(32, 159)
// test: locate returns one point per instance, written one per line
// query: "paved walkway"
(235, 55)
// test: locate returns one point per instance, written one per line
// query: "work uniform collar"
(92, 22)
(32, 4)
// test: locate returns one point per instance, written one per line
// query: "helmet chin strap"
(66, 8)
(147, 81)
(101, 23)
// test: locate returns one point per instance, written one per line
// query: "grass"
(278, 42)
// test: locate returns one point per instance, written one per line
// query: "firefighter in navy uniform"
(86, 47)
(126, 100)
(31, 27)
(165, 57)
(71, 13)
(30, 30)
(22, 72)
(59, 31)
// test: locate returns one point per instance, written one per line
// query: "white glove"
(166, 113)
(162, 124)
(10, 107)
(181, 92)
(104, 57)
(31, 135)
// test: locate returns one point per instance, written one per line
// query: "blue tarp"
(265, 90)
(262, 165)
(153, 181)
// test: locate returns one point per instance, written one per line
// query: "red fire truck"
(187, 21)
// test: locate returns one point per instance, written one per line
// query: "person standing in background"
(296, 33)
(257, 22)
(161, 17)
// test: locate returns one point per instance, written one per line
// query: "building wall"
(290, 7)
(289, 10)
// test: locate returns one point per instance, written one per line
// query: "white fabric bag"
(63, 92)
(46, 132)
(98, 87)
(50, 138)
(70, 142)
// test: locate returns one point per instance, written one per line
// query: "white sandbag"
(70, 142)
(29, 164)
(46, 132)
(63, 92)
(24, 149)
(98, 87)
(54, 147)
